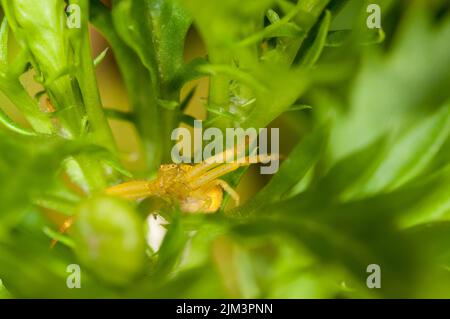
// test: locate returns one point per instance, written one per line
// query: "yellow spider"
(196, 188)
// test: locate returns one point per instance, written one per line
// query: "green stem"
(120, 115)
(68, 106)
(101, 130)
(137, 79)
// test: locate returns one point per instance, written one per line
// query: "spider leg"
(217, 160)
(64, 227)
(228, 189)
(226, 168)
(210, 163)
(132, 190)
(213, 174)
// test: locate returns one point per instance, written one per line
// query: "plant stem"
(101, 131)
(137, 79)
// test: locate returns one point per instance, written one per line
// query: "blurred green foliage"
(366, 183)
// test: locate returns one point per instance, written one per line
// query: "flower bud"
(110, 240)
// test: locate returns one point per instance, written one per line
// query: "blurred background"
(369, 86)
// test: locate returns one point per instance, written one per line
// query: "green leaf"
(341, 37)
(299, 107)
(13, 126)
(272, 16)
(170, 26)
(188, 120)
(351, 173)
(241, 76)
(313, 53)
(434, 239)
(141, 89)
(410, 154)
(44, 37)
(54, 235)
(15, 92)
(4, 29)
(47, 41)
(99, 59)
(388, 95)
(172, 247)
(278, 28)
(291, 172)
(25, 165)
(353, 245)
(119, 115)
(282, 88)
(188, 98)
(54, 203)
(307, 13)
(4, 294)
(156, 30)
(136, 32)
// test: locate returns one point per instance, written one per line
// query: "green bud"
(42, 26)
(110, 240)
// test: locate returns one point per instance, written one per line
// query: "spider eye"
(167, 167)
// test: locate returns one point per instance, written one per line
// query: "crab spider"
(196, 188)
